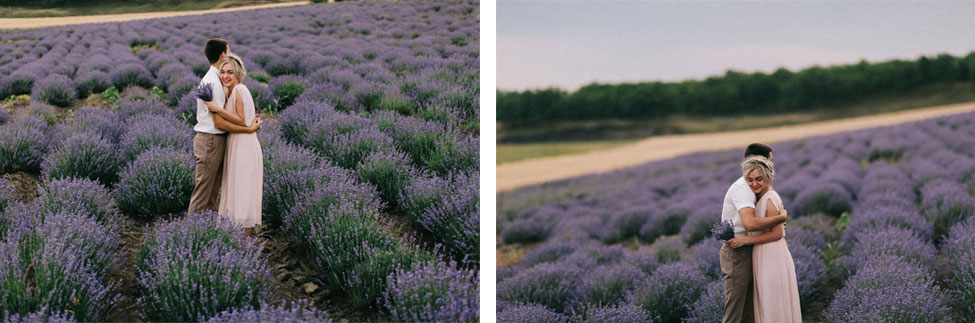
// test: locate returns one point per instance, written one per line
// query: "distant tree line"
(733, 93)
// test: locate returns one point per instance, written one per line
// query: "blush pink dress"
(776, 291)
(243, 168)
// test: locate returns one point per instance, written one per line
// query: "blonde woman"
(243, 168)
(775, 293)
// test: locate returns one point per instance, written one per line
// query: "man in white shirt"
(211, 129)
(736, 263)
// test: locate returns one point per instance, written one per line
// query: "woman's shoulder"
(772, 196)
(241, 87)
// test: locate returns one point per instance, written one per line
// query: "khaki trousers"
(208, 150)
(736, 264)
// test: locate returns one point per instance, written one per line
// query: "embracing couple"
(229, 166)
(759, 274)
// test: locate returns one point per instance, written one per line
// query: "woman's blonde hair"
(762, 164)
(237, 64)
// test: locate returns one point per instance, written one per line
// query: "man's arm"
(223, 124)
(753, 223)
(777, 232)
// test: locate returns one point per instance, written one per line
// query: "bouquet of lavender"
(723, 230)
(205, 92)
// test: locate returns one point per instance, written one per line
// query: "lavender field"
(881, 229)
(370, 192)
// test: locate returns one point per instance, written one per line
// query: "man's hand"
(737, 242)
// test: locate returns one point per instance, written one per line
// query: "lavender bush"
(6, 194)
(270, 313)
(78, 196)
(84, 155)
(58, 263)
(710, 307)
(23, 144)
(530, 313)
(888, 289)
(159, 181)
(368, 282)
(287, 88)
(147, 131)
(55, 89)
(196, 267)
(437, 292)
(389, 172)
(670, 291)
(448, 210)
(551, 285)
(961, 263)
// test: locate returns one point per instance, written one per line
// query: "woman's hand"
(256, 124)
(737, 242)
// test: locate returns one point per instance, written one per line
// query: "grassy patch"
(108, 7)
(514, 152)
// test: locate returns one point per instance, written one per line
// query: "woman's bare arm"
(227, 115)
(777, 232)
(753, 223)
(227, 126)
(239, 106)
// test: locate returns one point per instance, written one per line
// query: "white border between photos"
(488, 216)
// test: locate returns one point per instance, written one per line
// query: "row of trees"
(735, 92)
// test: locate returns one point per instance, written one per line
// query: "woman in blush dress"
(776, 292)
(243, 168)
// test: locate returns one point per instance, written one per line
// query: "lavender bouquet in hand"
(723, 231)
(205, 92)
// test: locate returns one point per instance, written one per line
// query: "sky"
(571, 44)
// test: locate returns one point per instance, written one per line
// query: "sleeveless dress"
(243, 168)
(776, 295)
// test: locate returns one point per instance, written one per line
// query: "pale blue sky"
(570, 44)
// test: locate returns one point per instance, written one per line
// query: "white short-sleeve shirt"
(204, 121)
(739, 196)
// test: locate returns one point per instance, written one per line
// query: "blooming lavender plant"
(368, 281)
(958, 251)
(78, 196)
(888, 289)
(530, 313)
(54, 89)
(670, 291)
(23, 144)
(723, 231)
(610, 284)
(147, 131)
(205, 92)
(549, 284)
(448, 209)
(159, 181)
(710, 307)
(84, 155)
(196, 267)
(271, 313)
(432, 292)
(390, 172)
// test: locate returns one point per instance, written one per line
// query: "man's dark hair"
(758, 149)
(214, 48)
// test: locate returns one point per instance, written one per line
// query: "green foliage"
(288, 91)
(395, 103)
(158, 93)
(260, 77)
(111, 96)
(734, 92)
(16, 97)
(369, 285)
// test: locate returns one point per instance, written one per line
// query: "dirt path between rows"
(546, 169)
(23, 23)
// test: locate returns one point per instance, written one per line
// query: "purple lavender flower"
(670, 291)
(888, 289)
(81, 197)
(433, 292)
(55, 89)
(624, 313)
(957, 249)
(549, 284)
(710, 307)
(146, 131)
(159, 181)
(723, 231)
(126, 74)
(6, 194)
(272, 313)
(530, 313)
(23, 144)
(205, 92)
(196, 267)
(610, 284)
(84, 155)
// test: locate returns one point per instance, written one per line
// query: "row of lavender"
(416, 58)
(321, 174)
(872, 211)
